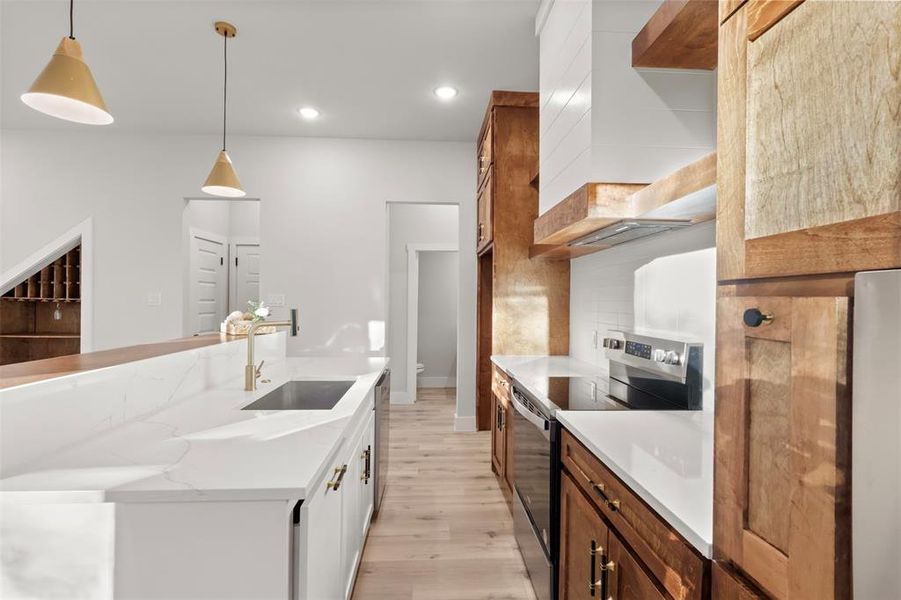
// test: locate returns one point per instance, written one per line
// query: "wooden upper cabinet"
(583, 544)
(808, 175)
(485, 232)
(782, 443)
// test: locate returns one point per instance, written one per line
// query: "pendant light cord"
(224, 86)
(71, 19)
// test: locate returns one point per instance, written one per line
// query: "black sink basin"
(302, 395)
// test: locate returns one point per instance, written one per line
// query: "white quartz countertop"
(206, 448)
(665, 457)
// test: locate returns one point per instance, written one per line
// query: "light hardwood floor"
(444, 531)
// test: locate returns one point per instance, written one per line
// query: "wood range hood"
(601, 215)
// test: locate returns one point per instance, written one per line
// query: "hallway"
(444, 531)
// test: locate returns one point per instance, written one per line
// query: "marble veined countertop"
(206, 448)
(665, 457)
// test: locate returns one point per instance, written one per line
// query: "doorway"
(413, 231)
(432, 280)
(222, 261)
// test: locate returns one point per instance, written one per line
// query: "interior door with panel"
(208, 289)
(808, 175)
(583, 544)
(244, 282)
(782, 443)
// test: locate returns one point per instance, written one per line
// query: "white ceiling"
(369, 67)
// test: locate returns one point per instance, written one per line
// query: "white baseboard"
(436, 382)
(401, 398)
(464, 424)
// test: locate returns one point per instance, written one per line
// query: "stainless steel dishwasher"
(382, 410)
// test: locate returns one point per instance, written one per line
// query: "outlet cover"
(154, 299)
(276, 300)
(594, 339)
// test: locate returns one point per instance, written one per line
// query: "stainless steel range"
(646, 373)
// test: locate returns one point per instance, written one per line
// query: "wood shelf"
(685, 195)
(26, 299)
(28, 336)
(41, 315)
(682, 34)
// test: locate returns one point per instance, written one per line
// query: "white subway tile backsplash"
(666, 283)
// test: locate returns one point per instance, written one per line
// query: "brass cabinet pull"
(335, 483)
(608, 566)
(601, 489)
(594, 584)
(365, 457)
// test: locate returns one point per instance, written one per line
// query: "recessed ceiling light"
(445, 92)
(308, 112)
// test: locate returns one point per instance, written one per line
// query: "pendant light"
(222, 180)
(65, 89)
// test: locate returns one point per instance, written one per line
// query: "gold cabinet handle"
(614, 505)
(335, 483)
(608, 566)
(598, 486)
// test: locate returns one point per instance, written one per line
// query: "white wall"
(664, 283)
(409, 224)
(437, 329)
(603, 120)
(322, 222)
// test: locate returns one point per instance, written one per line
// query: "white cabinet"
(334, 519)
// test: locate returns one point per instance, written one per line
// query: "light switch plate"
(154, 299)
(276, 300)
(594, 339)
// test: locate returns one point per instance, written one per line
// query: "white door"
(208, 281)
(245, 271)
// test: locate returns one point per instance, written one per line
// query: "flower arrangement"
(258, 310)
(238, 322)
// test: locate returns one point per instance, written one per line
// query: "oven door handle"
(539, 422)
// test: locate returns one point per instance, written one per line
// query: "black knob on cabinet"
(755, 318)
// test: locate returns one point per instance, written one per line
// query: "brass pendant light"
(65, 89)
(222, 180)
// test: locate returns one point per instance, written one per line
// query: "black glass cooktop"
(576, 393)
(629, 390)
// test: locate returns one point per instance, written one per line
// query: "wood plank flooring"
(444, 531)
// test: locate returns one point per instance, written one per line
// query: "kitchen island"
(166, 488)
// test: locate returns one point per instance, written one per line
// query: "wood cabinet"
(626, 579)
(729, 586)
(334, 519)
(808, 174)
(782, 440)
(523, 303)
(499, 436)
(643, 557)
(484, 206)
(502, 426)
(583, 544)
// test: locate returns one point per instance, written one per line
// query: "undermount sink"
(303, 395)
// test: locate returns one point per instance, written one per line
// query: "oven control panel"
(638, 349)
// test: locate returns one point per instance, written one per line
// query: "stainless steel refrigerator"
(876, 436)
